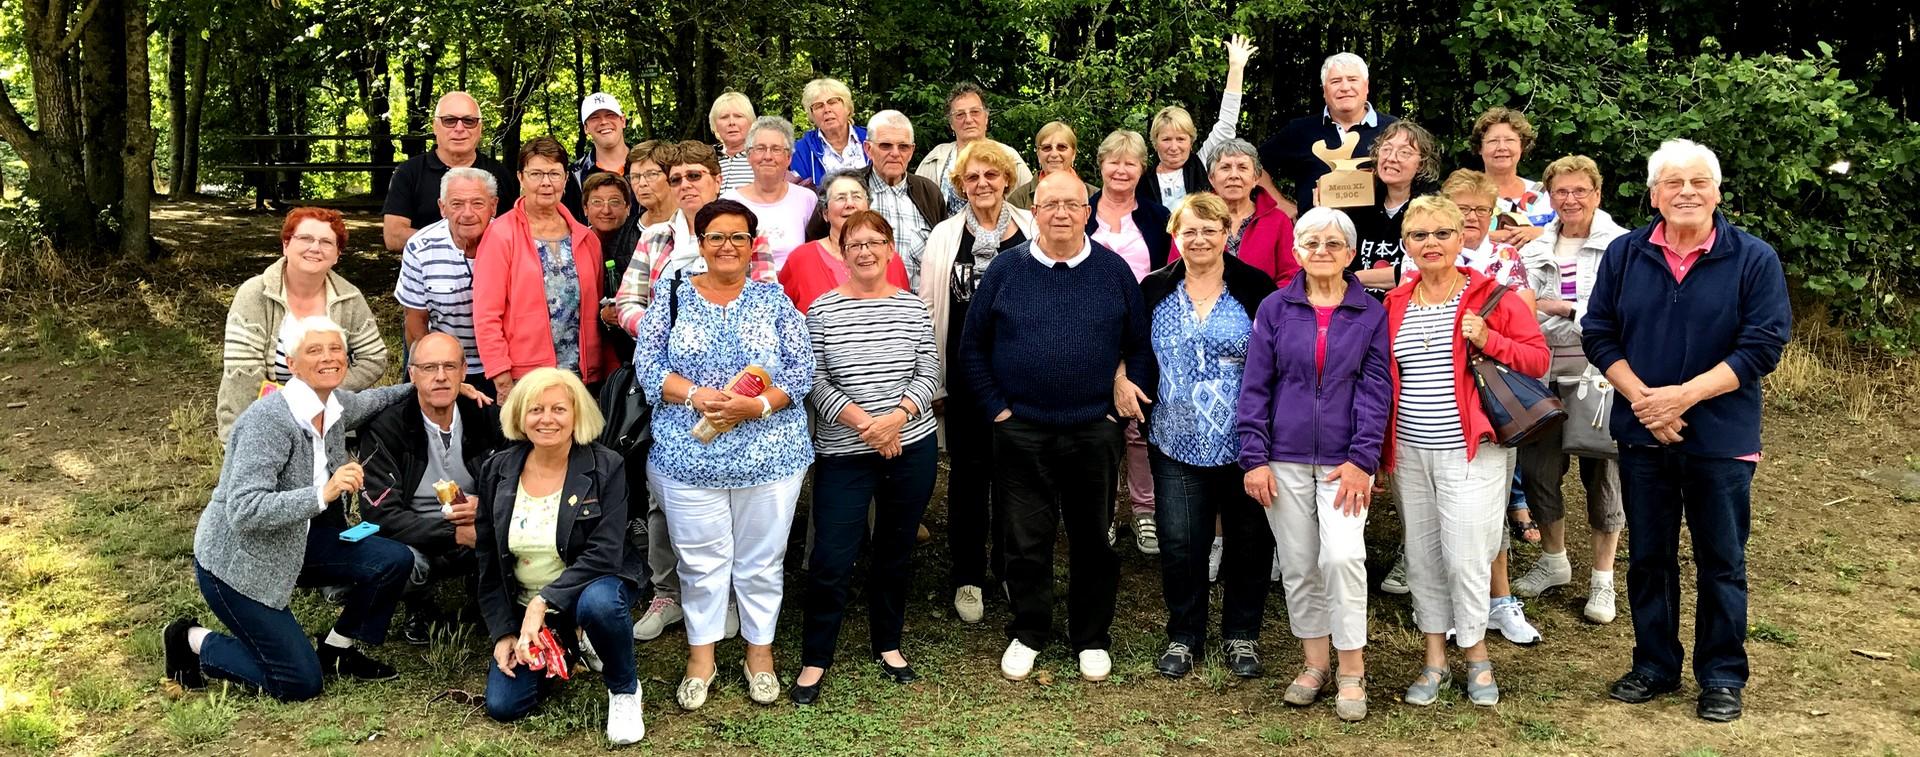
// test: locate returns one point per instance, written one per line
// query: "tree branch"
(79, 25)
(14, 129)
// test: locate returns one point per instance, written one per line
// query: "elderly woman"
(1406, 164)
(728, 498)
(604, 197)
(1201, 312)
(1561, 266)
(669, 250)
(536, 259)
(1450, 474)
(729, 117)
(874, 434)
(280, 518)
(1258, 231)
(260, 322)
(967, 113)
(552, 551)
(834, 144)
(1055, 146)
(1501, 136)
(817, 267)
(647, 183)
(783, 209)
(1313, 423)
(1689, 423)
(1173, 135)
(957, 255)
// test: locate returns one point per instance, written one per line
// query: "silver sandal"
(1351, 710)
(1487, 694)
(1425, 689)
(1301, 696)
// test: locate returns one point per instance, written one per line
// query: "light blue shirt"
(1200, 367)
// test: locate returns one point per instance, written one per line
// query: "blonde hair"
(1205, 206)
(1172, 117)
(1122, 140)
(726, 99)
(985, 151)
(1572, 165)
(825, 87)
(1435, 205)
(1501, 114)
(1056, 129)
(1469, 180)
(587, 420)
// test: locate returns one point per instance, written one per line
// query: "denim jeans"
(1188, 498)
(1046, 476)
(603, 613)
(1659, 486)
(268, 649)
(842, 486)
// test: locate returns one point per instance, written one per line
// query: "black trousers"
(1046, 476)
(970, 509)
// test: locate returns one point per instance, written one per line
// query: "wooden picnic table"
(281, 159)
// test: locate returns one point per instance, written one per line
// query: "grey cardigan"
(253, 534)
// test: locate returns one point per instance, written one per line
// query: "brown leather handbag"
(1520, 407)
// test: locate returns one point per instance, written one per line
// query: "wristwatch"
(766, 406)
(689, 400)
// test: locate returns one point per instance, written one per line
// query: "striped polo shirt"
(437, 277)
(1426, 415)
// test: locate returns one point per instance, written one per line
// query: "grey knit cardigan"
(253, 534)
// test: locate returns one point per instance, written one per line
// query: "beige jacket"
(936, 275)
(253, 325)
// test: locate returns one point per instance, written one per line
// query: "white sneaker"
(1213, 559)
(626, 718)
(1511, 620)
(1547, 573)
(660, 614)
(1600, 603)
(1095, 664)
(587, 655)
(1396, 580)
(733, 621)
(968, 604)
(1017, 661)
(1113, 535)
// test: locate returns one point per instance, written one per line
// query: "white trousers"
(1322, 554)
(1452, 510)
(730, 542)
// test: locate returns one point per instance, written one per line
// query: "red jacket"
(807, 274)
(1268, 243)
(510, 322)
(1513, 337)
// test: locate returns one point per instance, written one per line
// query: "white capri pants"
(1322, 554)
(1452, 509)
(730, 541)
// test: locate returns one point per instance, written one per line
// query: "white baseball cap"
(597, 102)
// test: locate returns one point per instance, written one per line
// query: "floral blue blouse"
(708, 344)
(563, 300)
(1200, 365)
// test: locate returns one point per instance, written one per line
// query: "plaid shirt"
(667, 248)
(910, 230)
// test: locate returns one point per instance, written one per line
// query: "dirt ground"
(106, 457)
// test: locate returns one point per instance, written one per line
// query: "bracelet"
(766, 406)
(689, 401)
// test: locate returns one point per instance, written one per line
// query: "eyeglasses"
(1701, 183)
(470, 122)
(543, 177)
(849, 196)
(717, 238)
(614, 203)
(1571, 194)
(977, 176)
(892, 146)
(646, 177)
(1417, 237)
(1401, 153)
(674, 181)
(877, 245)
(825, 101)
(309, 240)
(764, 150)
(1476, 210)
(970, 113)
(1188, 235)
(435, 369)
(1061, 206)
(1335, 246)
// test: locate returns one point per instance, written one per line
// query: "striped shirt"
(735, 171)
(870, 353)
(437, 277)
(1426, 414)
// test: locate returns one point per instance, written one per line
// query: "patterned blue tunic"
(563, 301)
(1200, 366)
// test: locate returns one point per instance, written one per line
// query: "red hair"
(328, 216)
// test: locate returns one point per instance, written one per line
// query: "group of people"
(1251, 365)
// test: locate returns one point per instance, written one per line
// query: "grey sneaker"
(1146, 535)
(661, 613)
(1546, 574)
(1396, 580)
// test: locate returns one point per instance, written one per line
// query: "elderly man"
(435, 288)
(408, 448)
(967, 113)
(606, 127)
(1687, 315)
(1288, 154)
(413, 196)
(834, 144)
(912, 204)
(1048, 324)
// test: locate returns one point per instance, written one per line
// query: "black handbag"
(629, 427)
(1520, 407)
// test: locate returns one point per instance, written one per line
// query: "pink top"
(1679, 261)
(1126, 241)
(783, 223)
(1323, 317)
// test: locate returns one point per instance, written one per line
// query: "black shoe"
(418, 630)
(351, 663)
(1637, 688)
(805, 695)
(1720, 704)
(183, 664)
(1242, 659)
(901, 675)
(1176, 662)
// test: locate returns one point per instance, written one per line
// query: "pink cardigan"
(510, 321)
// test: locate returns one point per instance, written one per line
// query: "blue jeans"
(842, 486)
(1658, 487)
(603, 613)
(1187, 499)
(268, 649)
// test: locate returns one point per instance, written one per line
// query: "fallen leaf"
(1043, 678)
(172, 689)
(1873, 654)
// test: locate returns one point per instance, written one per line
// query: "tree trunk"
(136, 202)
(176, 111)
(379, 107)
(200, 51)
(52, 152)
(103, 86)
(420, 101)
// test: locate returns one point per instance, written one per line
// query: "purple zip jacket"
(1290, 414)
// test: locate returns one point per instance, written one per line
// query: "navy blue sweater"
(1732, 308)
(1044, 341)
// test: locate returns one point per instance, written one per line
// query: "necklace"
(1427, 332)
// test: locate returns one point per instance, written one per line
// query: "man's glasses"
(435, 369)
(469, 122)
(892, 146)
(1061, 206)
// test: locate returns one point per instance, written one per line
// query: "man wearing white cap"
(606, 127)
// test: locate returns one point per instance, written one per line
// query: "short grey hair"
(310, 325)
(774, 124)
(1235, 147)
(890, 119)
(1322, 217)
(1679, 152)
(1342, 60)
(469, 173)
